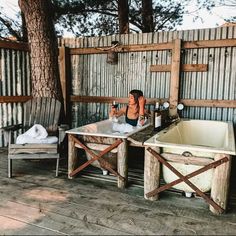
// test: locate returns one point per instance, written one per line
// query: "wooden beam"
(97, 99)
(123, 48)
(14, 45)
(64, 78)
(183, 67)
(209, 103)
(12, 99)
(150, 101)
(210, 43)
(156, 46)
(175, 77)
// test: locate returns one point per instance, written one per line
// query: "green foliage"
(100, 17)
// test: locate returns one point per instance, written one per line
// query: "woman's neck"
(133, 111)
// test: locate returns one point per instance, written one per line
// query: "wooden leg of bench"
(9, 168)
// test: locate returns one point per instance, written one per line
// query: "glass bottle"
(157, 117)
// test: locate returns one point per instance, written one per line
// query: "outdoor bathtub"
(101, 131)
(198, 138)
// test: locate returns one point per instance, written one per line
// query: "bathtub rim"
(230, 149)
(79, 130)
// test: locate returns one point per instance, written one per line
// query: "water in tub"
(114, 125)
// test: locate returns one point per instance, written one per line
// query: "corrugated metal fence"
(91, 75)
(14, 81)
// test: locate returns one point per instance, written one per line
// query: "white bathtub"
(104, 129)
(199, 138)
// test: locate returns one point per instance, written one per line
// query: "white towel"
(36, 134)
(122, 128)
(37, 131)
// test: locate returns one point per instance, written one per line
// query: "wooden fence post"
(174, 79)
(64, 63)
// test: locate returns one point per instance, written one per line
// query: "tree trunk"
(123, 14)
(43, 48)
(147, 16)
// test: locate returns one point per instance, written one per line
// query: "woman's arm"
(117, 113)
(142, 102)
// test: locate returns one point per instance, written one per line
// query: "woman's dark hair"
(136, 93)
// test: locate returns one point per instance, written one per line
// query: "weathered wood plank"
(186, 102)
(183, 68)
(175, 77)
(11, 99)
(14, 45)
(156, 47)
(220, 183)
(151, 173)
(122, 163)
(209, 103)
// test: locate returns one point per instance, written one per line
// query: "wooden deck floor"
(34, 202)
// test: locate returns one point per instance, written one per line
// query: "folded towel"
(37, 131)
(36, 134)
(122, 128)
(23, 139)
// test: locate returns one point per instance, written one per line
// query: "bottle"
(157, 117)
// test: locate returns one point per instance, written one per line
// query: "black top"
(132, 122)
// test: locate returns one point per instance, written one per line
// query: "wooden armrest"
(12, 127)
(62, 131)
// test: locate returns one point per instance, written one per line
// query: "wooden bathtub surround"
(151, 174)
(219, 190)
(119, 144)
(122, 163)
(220, 184)
(72, 155)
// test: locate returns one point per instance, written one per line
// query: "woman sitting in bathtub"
(134, 112)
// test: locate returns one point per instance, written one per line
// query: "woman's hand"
(113, 111)
(142, 101)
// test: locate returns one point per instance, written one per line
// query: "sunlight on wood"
(47, 195)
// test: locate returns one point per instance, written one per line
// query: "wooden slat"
(34, 156)
(98, 99)
(183, 67)
(14, 45)
(209, 103)
(33, 146)
(122, 48)
(11, 99)
(64, 77)
(186, 102)
(210, 43)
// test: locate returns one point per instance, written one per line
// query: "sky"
(208, 20)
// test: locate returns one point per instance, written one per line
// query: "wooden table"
(99, 136)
